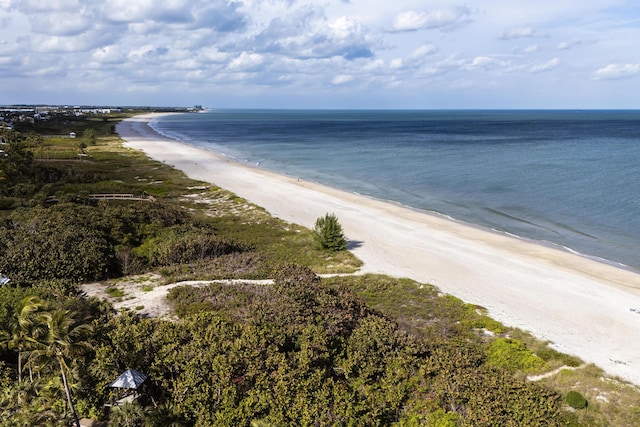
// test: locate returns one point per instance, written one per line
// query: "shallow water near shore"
(567, 178)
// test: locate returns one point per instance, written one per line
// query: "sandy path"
(580, 305)
(143, 295)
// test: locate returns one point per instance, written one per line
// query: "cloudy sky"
(322, 54)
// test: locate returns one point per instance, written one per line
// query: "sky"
(380, 54)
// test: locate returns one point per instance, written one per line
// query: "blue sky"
(324, 54)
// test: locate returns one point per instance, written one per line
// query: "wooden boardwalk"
(112, 196)
(122, 196)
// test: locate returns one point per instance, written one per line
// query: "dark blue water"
(569, 178)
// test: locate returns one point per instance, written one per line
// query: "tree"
(26, 327)
(65, 338)
(328, 232)
(89, 136)
(17, 162)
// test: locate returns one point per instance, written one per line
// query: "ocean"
(564, 178)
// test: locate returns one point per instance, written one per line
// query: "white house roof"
(129, 379)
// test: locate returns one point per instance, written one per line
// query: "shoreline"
(581, 305)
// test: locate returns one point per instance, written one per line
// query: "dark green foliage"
(547, 353)
(7, 203)
(16, 164)
(65, 174)
(53, 245)
(77, 242)
(45, 345)
(328, 232)
(183, 244)
(576, 400)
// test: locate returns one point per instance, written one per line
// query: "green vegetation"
(115, 292)
(328, 232)
(345, 350)
(513, 355)
(575, 400)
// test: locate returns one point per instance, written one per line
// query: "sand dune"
(582, 306)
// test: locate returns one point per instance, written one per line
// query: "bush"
(6, 203)
(49, 247)
(183, 245)
(328, 232)
(576, 400)
(513, 355)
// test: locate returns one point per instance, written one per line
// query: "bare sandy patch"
(145, 294)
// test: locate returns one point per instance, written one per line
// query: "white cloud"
(488, 63)
(518, 33)
(108, 55)
(446, 65)
(545, 66)
(422, 51)
(37, 6)
(436, 19)
(344, 28)
(67, 44)
(305, 48)
(396, 63)
(617, 71)
(482, 62)
(59, 24)
(246, 62)
(341, 79)
(125, 11)
(306, 33)
(211, 54)
(187, 64)
(569, 45)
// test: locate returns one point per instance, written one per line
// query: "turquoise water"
(567, 178)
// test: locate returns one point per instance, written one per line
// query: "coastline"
(581, 305)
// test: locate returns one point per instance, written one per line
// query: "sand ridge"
(583, 307)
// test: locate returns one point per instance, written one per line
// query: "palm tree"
(65, 339)
(22, 405)
(126, 415)
(27, 326)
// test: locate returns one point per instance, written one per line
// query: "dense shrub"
(183, 244)
(50, 250)
(78, 242)
(328, 233)
(6, 203)
(576, 400)
(513, 355)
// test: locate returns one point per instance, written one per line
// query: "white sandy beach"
(581, 306)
